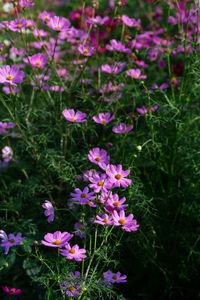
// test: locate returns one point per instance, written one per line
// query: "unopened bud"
(139, 148)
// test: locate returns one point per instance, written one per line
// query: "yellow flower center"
(118, 176)
(136, 75)
(105, 220)
(173, 79)
(98, 158)
(103, 120)
(89, 202)
(114, 277)
(12, 241)
(57, 242)
(9, 77)
(72, 251)
(122, 221)
(58, 27)
(72, 288)
(77, 16)
(100, 183)
(85, 51)
(46, 18)
(83, 195)
(116, 203)
(19, 26)
(73, 119)
(38, 63)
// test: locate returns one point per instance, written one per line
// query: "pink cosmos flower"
(12, 291)
(71, 116)
(58, 23)
(99, 183)
(37, 60)
(85, 50)
(11, 75)
(135, 73)
(26, 3)
(117, 176)
(130, 22)
(97, 20)
(80, 228)
(73, 287)
(97, 155)
(57, 239)
(49, 211)
(73, 252)
(103, 118)
(89, 173)
(114, 203)
(111, 277)
(17, 24)
(82, 196)
(10, 240)
(45, 16)
(104, 219)
(122, 128)
(117, 46)
(128, 223)
(143, 110)
(7, 153)
(41, 32)
(116, 68)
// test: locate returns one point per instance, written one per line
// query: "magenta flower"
(116, 68)
(111, 277)
(49, 211)
(37, 60)
(135, 73)
(58, 23)
(143, 110)
(7, 153)
(12, 291)
(104, 219)
(26, 3)
(11, 75)
(117, 176)
(114, 203)
(45, 16)
(117, 46)
(71, 116)
(99, 183)
(73, 252)
(97, 156)
(17, 24)
(103, 118)
(130, 22)
(122, 128)
(82, 196)
(57, 239)
(10, 240)
(128, 223)
(85, 50)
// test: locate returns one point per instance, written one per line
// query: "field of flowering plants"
(99, 149)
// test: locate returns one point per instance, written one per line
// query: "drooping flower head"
(57, 239)
(49, 211)
(11, 75)
(122, 128)
(71, 116)
(130, 22)
(111, 277)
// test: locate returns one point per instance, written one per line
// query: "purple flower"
(135, 73)
(71, 116)
(73, 252)
(111, 277)
(97, 155)
(12, 291)
(122, 128)
(131, 22)
(80, 229)
(116, 68)
(83, 49)
(57, 239)
(143, 110)
(73, 287)
(26, 3)
(45, 16)
(104, 219)
(17, 24)
(58, 23)
(82, 196)
(7, 153)
(10, 240)
(11, 75)
(103, 118)
(49, 211)
(99, 183)
(117, 46)
(37, 60)
(117, 176)
(113, 203)
(128, 223)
